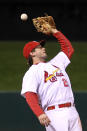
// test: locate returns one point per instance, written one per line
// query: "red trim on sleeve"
(32, 100)
(65, 44)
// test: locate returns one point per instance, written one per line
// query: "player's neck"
(35, 61)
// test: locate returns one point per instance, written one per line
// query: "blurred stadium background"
(71, 19)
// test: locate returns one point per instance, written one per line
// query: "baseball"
(24, 16)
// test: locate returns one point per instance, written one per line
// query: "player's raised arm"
(47, 26)
(65, 44)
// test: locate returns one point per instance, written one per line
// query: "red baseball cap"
(30, 46)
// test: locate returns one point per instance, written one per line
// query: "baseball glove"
(44, 24)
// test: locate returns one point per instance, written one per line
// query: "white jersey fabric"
(50, 81)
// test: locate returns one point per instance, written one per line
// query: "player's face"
(40, 52)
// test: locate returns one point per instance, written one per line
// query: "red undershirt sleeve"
(65, 44)
(32, 100)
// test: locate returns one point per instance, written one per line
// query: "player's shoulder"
(63, 56)
(61, 53)
(33, 70)
(29, 72)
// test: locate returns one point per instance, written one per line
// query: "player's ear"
(32, 54)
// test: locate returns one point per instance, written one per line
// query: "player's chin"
(45, 56)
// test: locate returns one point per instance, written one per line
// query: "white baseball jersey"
(50, 81)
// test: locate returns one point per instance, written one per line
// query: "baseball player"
(47, 88)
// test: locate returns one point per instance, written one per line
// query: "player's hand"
(44, 120)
